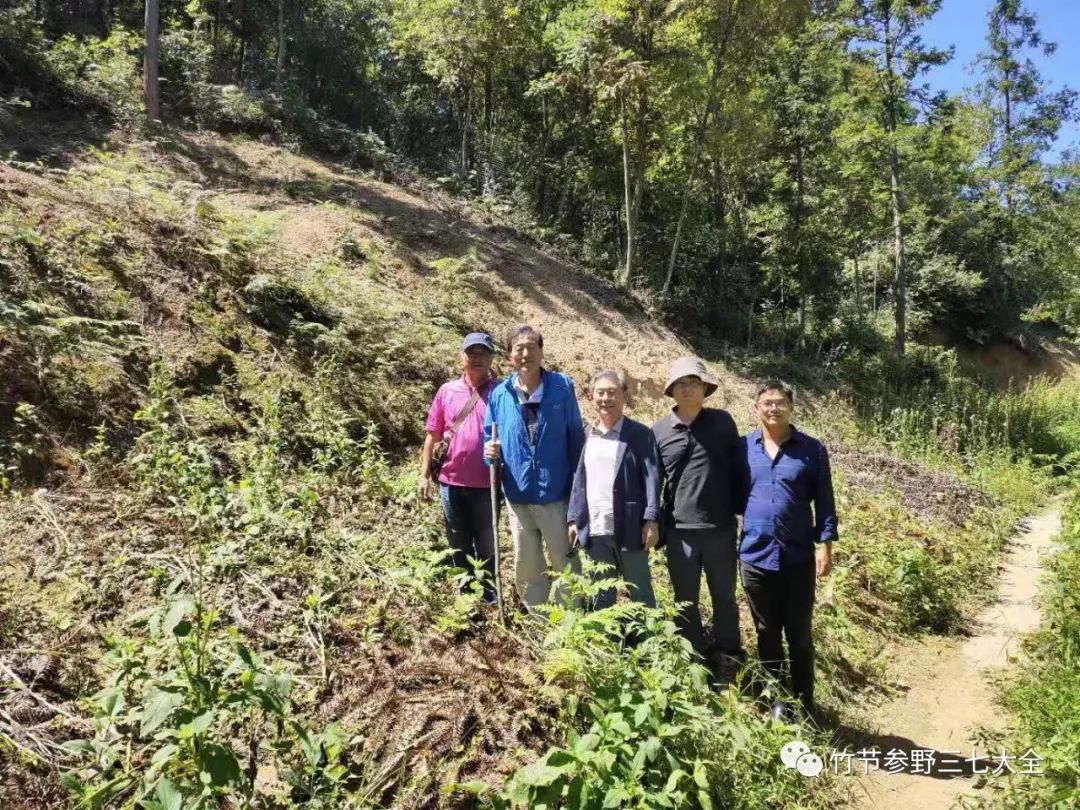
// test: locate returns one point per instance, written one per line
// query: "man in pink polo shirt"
(463, 478)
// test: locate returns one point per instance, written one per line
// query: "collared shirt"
(778, 528)
(530, 406)
(464, 465)
(601, 456)
(700, 469)
(524, 396)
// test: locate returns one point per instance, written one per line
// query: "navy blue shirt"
(778, 528)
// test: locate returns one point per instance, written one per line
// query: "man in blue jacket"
(615, 501)
(540, 436)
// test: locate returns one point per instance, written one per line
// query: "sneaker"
(780, 711)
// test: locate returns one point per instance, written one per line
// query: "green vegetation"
(221, 580)
(775, 151)
(643, 726)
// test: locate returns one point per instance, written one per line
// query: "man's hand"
(650, 534)
(572, 534)
(823, 559)
(492, 450)
(426, 489)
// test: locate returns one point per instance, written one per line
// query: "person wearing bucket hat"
(700, 479)
(452, 461)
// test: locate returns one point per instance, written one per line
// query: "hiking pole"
(494, 473)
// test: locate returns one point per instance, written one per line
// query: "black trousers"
(782, 604)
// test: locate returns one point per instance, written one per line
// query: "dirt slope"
(499, 277)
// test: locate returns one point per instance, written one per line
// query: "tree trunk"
(900, 284)
(699, 139)
(623, 278)
(219, 13)
(488, 135)
(466, 108)
(750, 325)
(1008, 141)
(900, 280)
(858, 292)
(279, 68)
(877, 270)
(242, 28)
(150, 63)
(800, 257)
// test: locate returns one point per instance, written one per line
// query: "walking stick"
(494, 473)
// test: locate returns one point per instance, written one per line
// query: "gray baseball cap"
(478, 339)
(690, 367)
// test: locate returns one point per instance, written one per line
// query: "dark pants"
(468, 528)
(782, 603)
(712, 551)
(632, 566)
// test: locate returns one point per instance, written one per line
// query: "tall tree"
(723, 27)
(150, 61)
(1026, 116)
(279, 61)
(887, 40)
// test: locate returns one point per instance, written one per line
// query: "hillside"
(215, 357)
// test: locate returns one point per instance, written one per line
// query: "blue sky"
(962, 24)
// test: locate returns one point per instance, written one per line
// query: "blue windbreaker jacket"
(540, 474)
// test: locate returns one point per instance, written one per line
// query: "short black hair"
(775, 385)
(526, 330)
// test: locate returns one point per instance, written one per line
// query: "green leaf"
(199, 725)
(700, 777)
(704, 800)
(72, 783)
(309, 745)
(78, 746)
(641, 714)
(218, 765)
(111, 701)
(651, 747)
(168, 796)
(164, 754)
(174, 616)
(157, 709)
(588, 742)
(674, 779)
(615, 797)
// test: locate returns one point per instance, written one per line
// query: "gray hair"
(612, 375)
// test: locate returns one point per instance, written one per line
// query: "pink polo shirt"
(464, 465)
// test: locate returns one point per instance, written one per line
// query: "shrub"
(103, 70)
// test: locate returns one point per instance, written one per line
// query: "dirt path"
(949, 693)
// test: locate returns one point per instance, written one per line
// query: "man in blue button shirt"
(785, 547)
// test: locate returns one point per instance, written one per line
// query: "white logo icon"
(797, 756)
(791, 752)
(809, 764)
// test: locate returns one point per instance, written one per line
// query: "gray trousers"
(632, 566)
(535, 527)
(689, 553)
